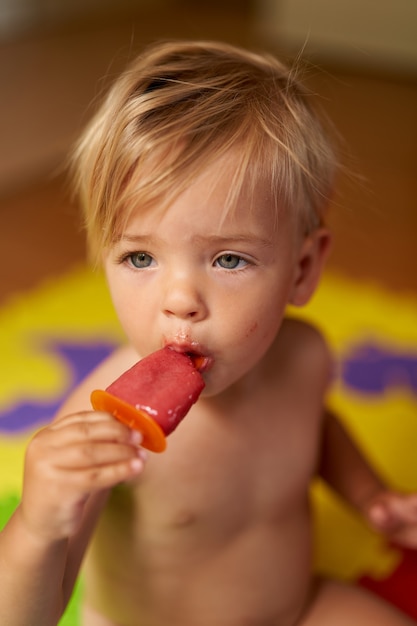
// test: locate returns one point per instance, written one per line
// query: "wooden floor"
(374, 217)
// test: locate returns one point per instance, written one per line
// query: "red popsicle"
(154, 395)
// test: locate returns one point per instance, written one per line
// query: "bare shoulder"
(109, 369)
(306, 348)
(304, 334)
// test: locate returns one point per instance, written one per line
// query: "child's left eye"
(140, 260)
(231, 261)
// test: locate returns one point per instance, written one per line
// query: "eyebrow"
(211, 239)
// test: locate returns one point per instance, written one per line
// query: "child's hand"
(395, 515)
(69, 460)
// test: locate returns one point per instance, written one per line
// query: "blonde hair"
(180, 106)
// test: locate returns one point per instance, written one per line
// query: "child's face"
(215, 286)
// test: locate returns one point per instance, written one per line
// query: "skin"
(217, 529)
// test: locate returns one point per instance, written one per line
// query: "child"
(205, 178)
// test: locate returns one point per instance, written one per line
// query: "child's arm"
(70, 466)
(345, 469)
(37, 577)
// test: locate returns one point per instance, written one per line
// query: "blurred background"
(57, 57)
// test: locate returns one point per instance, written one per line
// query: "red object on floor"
(400, 587)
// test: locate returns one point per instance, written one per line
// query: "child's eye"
(141, 260)
(231, 261)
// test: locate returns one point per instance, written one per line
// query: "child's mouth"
(199, 360)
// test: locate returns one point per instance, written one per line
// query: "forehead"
(222, 195)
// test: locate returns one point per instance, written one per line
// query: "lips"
(200, 361)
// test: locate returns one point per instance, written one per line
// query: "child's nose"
(184, 299)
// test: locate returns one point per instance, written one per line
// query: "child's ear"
(311, 259)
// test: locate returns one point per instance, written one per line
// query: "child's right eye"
(140, 260)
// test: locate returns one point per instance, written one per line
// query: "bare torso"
(216, 531)
(217, 528)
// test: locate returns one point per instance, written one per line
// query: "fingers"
(98, 477)
(87, 419)
(92, 426)
(70, 460)
(380, 516)
(91, 454)
(404, 508)
(395, 515)
(91, 448)
(391, 511)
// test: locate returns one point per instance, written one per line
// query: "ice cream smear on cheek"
(155, 394)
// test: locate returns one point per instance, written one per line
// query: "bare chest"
(225, 502)
(227, 471)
